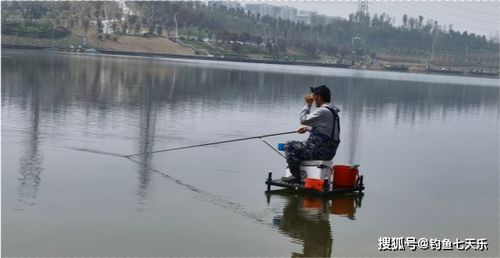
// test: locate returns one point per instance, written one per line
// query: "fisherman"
(324, 127)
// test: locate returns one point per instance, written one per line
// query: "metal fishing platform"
(328, 189)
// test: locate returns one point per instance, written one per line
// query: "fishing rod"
(210, 143)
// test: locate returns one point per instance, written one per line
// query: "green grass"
(202, 45)
(65, 41)
(304, 57)
(194, 32)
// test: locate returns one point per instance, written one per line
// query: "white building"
(286, 13)
(125, 10)
(304, 16)
(283, 12)
(263, 9)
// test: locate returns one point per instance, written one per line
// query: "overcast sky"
(479, 17)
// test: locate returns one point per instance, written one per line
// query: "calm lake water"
(428, 147)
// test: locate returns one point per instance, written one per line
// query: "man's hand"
(302, 130)
(309, 98)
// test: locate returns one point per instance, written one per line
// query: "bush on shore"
(34, 29)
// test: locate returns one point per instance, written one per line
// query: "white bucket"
(318, 169)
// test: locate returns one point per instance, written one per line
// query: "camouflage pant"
(317, 147)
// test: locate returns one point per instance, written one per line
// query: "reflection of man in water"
(324, 127)
(312, 229)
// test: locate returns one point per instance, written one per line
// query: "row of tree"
(324, 34)
(360, 32)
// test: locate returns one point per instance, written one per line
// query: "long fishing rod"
(210, 143)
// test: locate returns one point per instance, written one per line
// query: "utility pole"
(52, 38)
(435, 39)
(154, 12)
(432, 51)
(466, 54)
(265, 34)
(154, 16)
(175, 19)
(363, 6)
(360, 24)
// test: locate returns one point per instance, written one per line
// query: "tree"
(71, 22)
(270, 47)
(236, 47)
(124, 27)
(412, 23)
(86, 24)
(344, 50)
(137, 28)
(118, 16)
(405, 20)
(34, 10)
(114, 26)
(98, 7)
(281, 47)
(244, 37)
(159, 29)
(100, 26)
(132, 19)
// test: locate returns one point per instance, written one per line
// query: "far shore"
(413, 69)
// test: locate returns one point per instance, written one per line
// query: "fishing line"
(207, 196)
(211, 198)
(270, 146)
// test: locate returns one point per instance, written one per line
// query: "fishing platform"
(327, 189)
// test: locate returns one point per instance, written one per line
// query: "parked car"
(90, 51)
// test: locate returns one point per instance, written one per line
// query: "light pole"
(467, 54)
(175, 20)
(432, 51)
(434, 42)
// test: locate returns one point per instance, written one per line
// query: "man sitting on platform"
(324, 127)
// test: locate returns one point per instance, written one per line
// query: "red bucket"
(343, 206)
(312, 183)
(312, 203)
(344, 176)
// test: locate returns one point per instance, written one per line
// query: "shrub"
(35, 29)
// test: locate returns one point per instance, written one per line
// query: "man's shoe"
(291, 179)
(288, 178)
